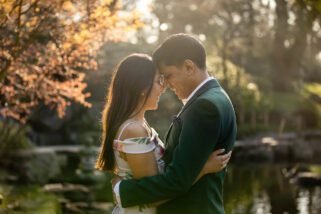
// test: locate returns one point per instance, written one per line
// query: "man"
(206, 123)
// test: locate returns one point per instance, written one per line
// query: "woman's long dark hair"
(133, 76)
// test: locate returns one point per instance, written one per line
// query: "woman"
(130, 147)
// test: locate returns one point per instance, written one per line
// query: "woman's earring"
(143, 94)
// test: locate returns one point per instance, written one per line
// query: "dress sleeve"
(135, 145)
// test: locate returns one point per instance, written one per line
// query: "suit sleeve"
(198, 138)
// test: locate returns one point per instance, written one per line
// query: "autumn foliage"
(46, 45)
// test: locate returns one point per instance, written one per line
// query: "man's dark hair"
(179, 47)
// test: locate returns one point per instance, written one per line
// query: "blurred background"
(56, 61)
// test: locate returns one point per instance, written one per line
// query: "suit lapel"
(167, 134)
(210, 84)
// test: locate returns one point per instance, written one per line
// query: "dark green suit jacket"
(207, 122)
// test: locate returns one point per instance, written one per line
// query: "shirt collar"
(196, 89)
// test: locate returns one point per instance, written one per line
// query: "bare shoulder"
(134, 130)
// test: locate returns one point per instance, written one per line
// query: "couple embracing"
(185, 174)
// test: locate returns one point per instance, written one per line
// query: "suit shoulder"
(217, 96)
(204, 105)
(214, 93)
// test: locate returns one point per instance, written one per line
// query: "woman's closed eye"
(161, 80)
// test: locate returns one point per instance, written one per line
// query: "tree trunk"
(253, 118)
(225, 78)
(266, 119)
(287, 58)
(239, 99)
(282, 126)
(282, 82)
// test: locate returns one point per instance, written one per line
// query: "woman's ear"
(189, 66)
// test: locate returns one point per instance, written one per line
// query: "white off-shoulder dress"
(138, 145)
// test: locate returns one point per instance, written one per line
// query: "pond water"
(263, 189)
(249, 189)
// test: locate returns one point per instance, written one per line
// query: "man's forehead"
(165, 69)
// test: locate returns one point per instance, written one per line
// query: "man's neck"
(198, 81)
(198, 85)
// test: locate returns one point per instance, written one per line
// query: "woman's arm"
(142, 164)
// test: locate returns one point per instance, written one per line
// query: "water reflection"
(258, 189)
(303, 202)
(250, 189)
(309, 201)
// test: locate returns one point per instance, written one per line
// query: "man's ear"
(189, 66)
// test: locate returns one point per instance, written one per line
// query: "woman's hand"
(216, 162)
(113, 182)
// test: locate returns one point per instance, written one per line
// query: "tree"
(46, 47)
(293, 25)
(268, 38)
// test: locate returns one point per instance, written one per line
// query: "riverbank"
(62, 179)
(302, 147)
